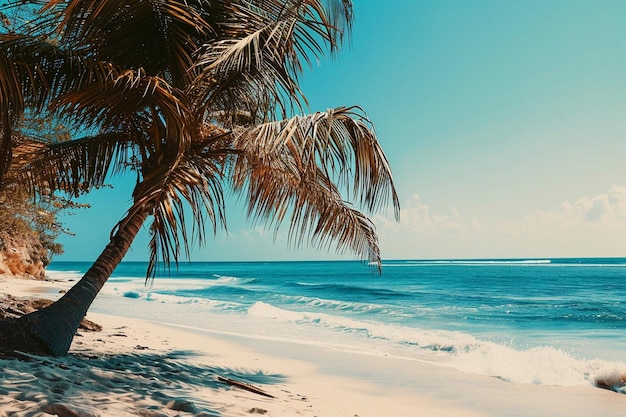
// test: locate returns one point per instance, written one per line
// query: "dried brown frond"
(290, 168)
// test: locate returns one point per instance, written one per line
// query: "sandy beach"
(145, 368)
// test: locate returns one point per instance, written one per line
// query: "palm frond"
(192, 181)
(37, 69)
(315, 208)
(259, 54)
(11, 106)
(341, 142)
(120, 94)
(32, 70)
(159, 36)
(290, 168)
(21, 153)
(75, 166)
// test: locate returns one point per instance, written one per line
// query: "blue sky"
(503, 121)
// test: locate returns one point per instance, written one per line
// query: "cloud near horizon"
(586, 227)
(589, 226)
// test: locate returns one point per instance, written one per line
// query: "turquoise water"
(544, 321)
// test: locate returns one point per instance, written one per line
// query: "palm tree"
(193, 96)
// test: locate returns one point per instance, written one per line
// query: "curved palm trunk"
(56, 325)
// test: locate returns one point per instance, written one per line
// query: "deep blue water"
(471, 314)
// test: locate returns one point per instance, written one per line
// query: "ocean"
(532, 321)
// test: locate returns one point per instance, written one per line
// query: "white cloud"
(589, 226)
(604, 207)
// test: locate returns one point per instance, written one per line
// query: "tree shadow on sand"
(142, 384)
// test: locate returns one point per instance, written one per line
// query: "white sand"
(143, 368)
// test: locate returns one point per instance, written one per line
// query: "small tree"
(35, 212)
(20, 214)
(23, 212)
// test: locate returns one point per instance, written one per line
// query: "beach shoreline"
(139, 367)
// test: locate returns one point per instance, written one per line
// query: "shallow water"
(546, 321)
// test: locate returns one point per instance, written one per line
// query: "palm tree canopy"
(195, 96)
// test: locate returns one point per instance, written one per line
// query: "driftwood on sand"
(244, 386)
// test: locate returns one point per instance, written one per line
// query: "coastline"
(138, 367)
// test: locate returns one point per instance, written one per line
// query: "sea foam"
(523, 321)
(544, 365)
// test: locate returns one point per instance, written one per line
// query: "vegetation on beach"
(30, 223)
(28, 235)
(194, 97)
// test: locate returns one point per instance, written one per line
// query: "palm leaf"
(32, 69)
(290, 167)
(75, 166)
(194, 181)
(341, 142)
(259, 51)
(22, 155)
(159, 36)
(120, 94)
(315, 208)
